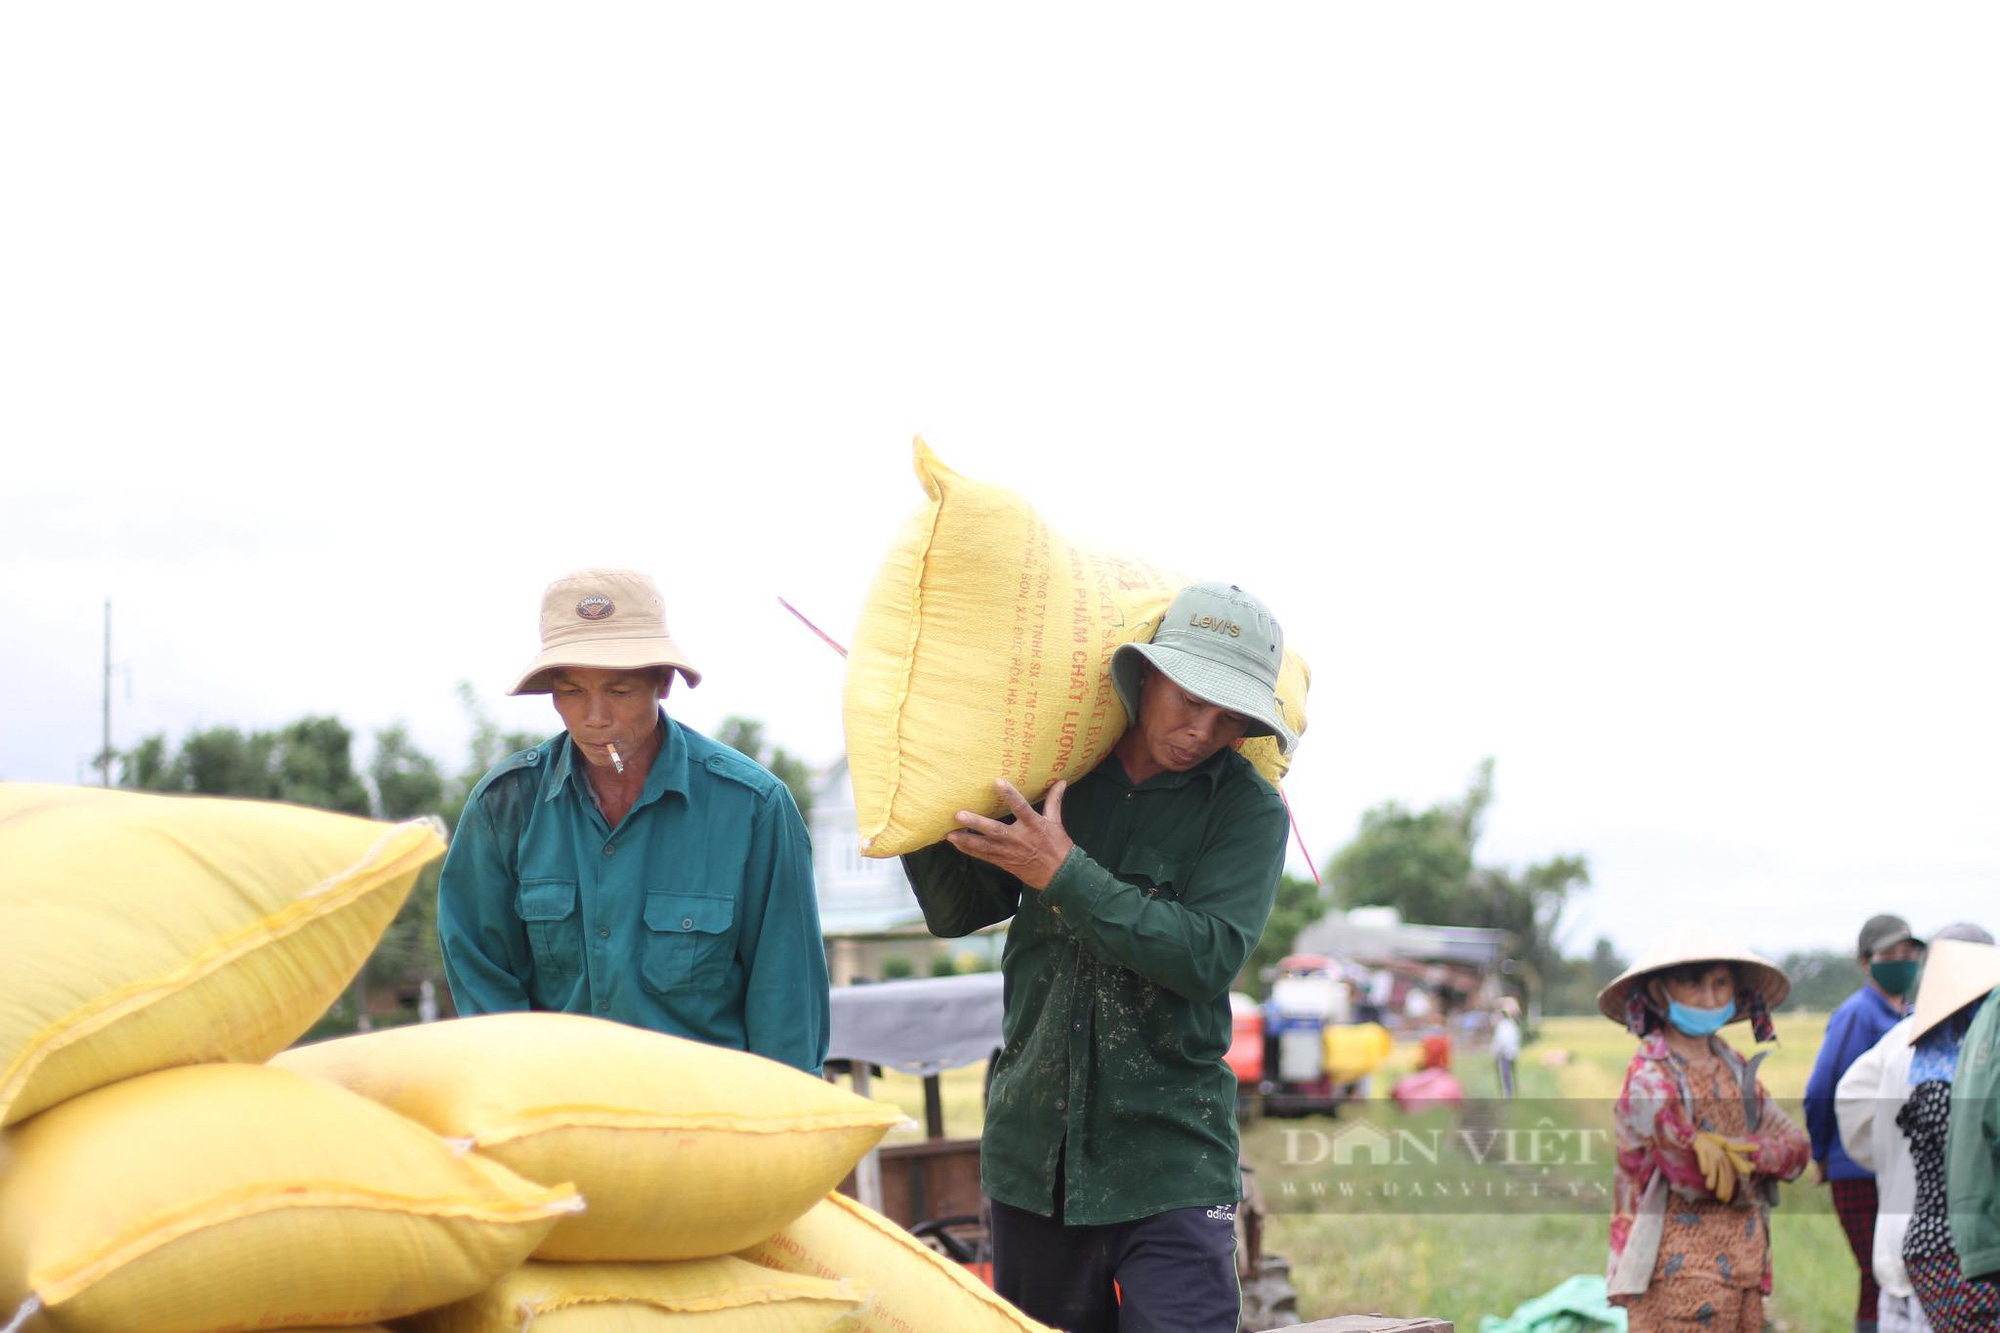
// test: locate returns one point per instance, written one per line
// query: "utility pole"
(104, 755)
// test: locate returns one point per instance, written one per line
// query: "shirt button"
(1061, 1104)
(604, 1006)
(604, 932)
(687, 923)
(610, 847)
(1076, 1026)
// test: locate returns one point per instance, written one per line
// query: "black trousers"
(1175, 1272)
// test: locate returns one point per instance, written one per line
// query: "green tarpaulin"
(1577, 1306)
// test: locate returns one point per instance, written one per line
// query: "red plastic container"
(1246, 1039)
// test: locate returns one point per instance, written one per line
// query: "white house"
(858, 895)
(866, 909)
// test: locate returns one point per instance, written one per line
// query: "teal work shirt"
(696, 916)
(1117, 989)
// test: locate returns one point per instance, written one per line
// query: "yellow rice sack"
(140, 931)
(911, 1288)
(238, 1196)
(984, 651)
(718, 1295)
(679, 1149)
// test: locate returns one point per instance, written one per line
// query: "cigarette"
(616, 762)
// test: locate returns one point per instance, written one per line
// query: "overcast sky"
(1609, 390)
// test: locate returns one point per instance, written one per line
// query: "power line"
(104, 755)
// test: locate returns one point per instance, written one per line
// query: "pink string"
(824, 636)
(1301, 837)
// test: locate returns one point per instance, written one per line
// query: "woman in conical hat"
(1701, 1143)
(1958, 976)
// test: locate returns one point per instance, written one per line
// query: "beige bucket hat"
(610, 619)
(1688, 942)
(1956, 972)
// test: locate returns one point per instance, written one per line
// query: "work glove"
(1722, 1161)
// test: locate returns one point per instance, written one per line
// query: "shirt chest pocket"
(688, 941)
(547, 908)
(1159, 874)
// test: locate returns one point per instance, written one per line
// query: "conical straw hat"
(1688, 942)
(1956, 972)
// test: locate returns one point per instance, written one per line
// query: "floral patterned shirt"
(1656, 1125)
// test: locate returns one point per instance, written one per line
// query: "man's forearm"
(476, 985)
(486, 962)
(957, 893)
(1191, 952)
(785, 1006)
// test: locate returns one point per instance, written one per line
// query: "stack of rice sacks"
(478, 1174)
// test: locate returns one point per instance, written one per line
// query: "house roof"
(1472, 946)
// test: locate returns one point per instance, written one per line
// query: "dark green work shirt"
(1117, 989)
(695, 916)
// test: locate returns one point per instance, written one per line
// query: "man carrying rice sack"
(628, 867)
(1137, 893)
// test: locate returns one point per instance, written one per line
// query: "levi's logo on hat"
(1218, 624)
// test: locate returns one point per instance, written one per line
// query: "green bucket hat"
(1218, 643)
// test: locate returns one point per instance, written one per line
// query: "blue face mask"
(1695, 1022)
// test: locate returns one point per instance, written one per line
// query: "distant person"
(1506, 1043)
(1432, 1083)
(1372, 1007)
(1889, 956)
(1700, 1140)
(1867, 1101)
(1136, 894)
(629, 867)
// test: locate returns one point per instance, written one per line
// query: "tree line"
(1425, 865)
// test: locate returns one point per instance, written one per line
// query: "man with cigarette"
(1137, 893)
(629, 867)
